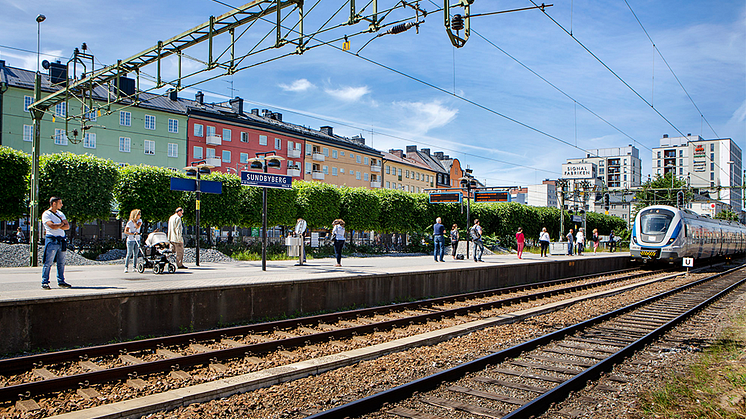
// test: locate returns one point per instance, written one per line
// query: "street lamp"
(39, 19)
(469, 183)
(264, 161)
(37, 114)
(196, 169)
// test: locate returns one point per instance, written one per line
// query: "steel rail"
(376, 401)
(24, 363)
(10, 393)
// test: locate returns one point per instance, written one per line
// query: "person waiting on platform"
(338, 235)
(175, 236)
(132, 231)
(439, 239)
(595, 240)
(454, 240)
(476, 237)
(570, 241)
(544, 241)
(520, 242)
(55, 243)
(580, 241)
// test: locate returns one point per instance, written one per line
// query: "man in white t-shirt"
(55, 224)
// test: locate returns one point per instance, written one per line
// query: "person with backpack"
(476, 237)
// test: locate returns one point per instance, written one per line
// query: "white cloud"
(421, 117)
(349, 94)
(300, 85)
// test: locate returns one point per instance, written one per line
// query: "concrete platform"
(106, 304)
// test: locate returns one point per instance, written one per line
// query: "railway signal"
(680, 199)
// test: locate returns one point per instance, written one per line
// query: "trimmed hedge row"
(89, 184)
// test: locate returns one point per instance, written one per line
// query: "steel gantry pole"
(37, 114)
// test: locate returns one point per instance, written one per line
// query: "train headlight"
(671, 240)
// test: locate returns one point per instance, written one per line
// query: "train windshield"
(655, 221)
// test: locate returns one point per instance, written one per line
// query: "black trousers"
(338, 245)
(544, 247)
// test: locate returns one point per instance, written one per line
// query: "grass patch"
(713, 387)
(252, 256)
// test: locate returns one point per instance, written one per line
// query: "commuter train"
(668, 234)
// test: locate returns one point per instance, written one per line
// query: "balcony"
(293, 172)
(316, 175)
(294, 153)
(375, 168)
(214, 140)
(213, 161)
(318, 157)
(375, 184)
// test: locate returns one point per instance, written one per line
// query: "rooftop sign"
(578, 171)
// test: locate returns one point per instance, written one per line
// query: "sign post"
(689, 263)
(197, 185)
(300, 230)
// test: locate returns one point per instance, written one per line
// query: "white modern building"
(543, 195)
(711, 166)
(618, 167)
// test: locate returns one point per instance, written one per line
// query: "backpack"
(474, 234)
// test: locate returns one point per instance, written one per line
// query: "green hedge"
(14, 171)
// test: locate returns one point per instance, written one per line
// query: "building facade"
(152, 132)
(405, 174)
(442, 175)
(543, 195)
(710, 166)
(618, 167)
(341, 161)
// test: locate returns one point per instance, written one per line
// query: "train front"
(657, 234)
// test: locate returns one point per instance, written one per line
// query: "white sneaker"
(126, 270)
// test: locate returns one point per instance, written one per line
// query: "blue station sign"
(266, 180)
(190, 185)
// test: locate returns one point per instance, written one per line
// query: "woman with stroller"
(132, 231)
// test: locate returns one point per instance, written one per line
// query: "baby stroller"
(155, 254)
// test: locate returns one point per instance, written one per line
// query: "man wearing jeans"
(476, 237)
(55, 225)
(440, 240)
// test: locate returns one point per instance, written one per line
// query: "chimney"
(278, 116)
(665, 135)
(266, 113)
(326, 129)
(237, 105)
(439, 155)
(173, 95)
(397, 153)
(411, 149)
(358, 140)
(255, 111)
(2, 63)
(200, 98)
(689, 134)
(426, 151)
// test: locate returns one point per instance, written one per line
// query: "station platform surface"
(18, 284)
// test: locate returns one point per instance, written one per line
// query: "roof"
(407, 161)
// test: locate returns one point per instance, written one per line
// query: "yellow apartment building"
(402, 173)
(341, 161)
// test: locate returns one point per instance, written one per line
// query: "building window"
(681, 153)
(659, 171)
(60, 138)
(125, 118)
(326, 151)
(326, 170)
(659, 163)
(91, 116)
(60, 109)
(365, 177)
(262, 140)
(173, 150)
(309, 168)
(173, 125)
(89, 141)
(341, 170)
(712, 156)
(357, 175)
(243, 158)
(278, 144)
(334, 171)
(388, 185)
(398, 172)
(712, 167)
(210, 131)
(352, 156)
(244, 137)
(124, 144)
(27, 101)
(28, 133)
(210, 153)
(198, 130)
(149, 122)
(601, 171)
(334, 154)
(367, 161)
(625, 177)
(226, 156)
(406, 174)
(197, 152)
(681, 170)
(342, 153)
(149, 147)
(659, 154)
(388, 169)
(712, 146)
(357, 159)
(712, 176)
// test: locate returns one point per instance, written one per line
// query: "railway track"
(35, 375)
(526, 379)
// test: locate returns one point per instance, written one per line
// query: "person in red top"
(520, 240)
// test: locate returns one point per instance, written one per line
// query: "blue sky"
(510, 126)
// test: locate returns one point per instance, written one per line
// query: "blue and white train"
(668, 234)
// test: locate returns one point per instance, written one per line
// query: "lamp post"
(264, 161)
(37, 114)
(468, 182)
(196, 169)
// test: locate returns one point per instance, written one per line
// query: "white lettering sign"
(579, 171)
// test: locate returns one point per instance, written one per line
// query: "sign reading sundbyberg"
(266, 180)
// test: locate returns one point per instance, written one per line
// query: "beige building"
(341, 161)
(400, 172)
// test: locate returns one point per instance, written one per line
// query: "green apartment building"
(153, 132)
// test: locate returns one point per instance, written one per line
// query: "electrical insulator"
(457, 22)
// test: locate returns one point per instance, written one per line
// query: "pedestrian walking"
(570, 241)
(338, 232)
(55, 243)
(476, 237)
(595, 240)
(520, 240)
(544, 241)
(176, 236)
(612, 241)
(132, 231)
(580, 241)
(20, 237)
(454, 240)
(439, 240)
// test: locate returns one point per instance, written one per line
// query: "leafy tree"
(726, 215)
(84, 182)
(149, 189)
(661, 190)
(14, 170)
(282, 206)
(360, 208)
(318, 203)
(216, 210)
(396, 211)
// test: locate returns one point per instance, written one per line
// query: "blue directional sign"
(190, 185)
(266, 180)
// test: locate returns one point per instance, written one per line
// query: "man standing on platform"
(55, 224)
(176, 237)
(439, 239)
(476, 237)
(570, 242)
